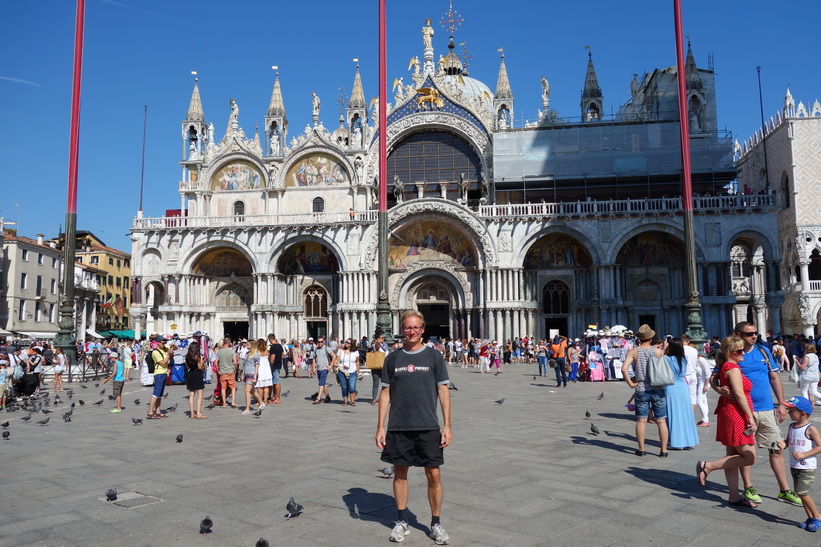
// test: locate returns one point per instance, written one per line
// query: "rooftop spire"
(357, 95)
(591, 83)
(503, 90)
(195, 107)
(691, 71)
(277, 106)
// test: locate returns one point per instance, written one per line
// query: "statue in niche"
(441, 63)
(634, 86)
(398, 188)
(275, 148)
(358, 166)
(192, 151)
(211, 135)
(427, 35)
(485, 187)
(545, 93)
(464, 185)
(357, 136)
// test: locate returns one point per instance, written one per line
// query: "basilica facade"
(497, 229)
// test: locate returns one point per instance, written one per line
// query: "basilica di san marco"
(495, 230)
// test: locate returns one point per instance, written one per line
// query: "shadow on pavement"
(601, 443)
(687, 487)
(376, 507)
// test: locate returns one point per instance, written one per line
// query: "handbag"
(659, 373)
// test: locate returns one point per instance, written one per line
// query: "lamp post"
(66, 334)
(383, 308)
(695, 329)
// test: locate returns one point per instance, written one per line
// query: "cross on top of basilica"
(452, 20)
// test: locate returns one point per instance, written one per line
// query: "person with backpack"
(158, 363)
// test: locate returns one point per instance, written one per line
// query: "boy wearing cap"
(118, 379)
(805, 443)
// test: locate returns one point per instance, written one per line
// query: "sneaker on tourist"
(438, 535)
(399, 532)
(788, 496)
(752, 495)
(115, 410)
(812, 525)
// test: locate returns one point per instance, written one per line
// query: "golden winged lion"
(428, 99)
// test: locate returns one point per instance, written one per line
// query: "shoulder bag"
(659, 373)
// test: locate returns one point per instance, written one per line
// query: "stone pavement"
(527, 472)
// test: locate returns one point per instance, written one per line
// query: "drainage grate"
(134, 499)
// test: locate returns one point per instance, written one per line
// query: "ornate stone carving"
(434, 207)
(805, 309)
(174, 250)
(460, 276)
(505, 242)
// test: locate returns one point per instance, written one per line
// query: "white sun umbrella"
(618, 329)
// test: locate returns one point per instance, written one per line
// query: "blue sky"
(141, 52)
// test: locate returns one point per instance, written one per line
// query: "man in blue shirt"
(759, 366)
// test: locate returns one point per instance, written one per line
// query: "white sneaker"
(438, 535)
(399, 532)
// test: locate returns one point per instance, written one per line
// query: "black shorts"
(414, 448)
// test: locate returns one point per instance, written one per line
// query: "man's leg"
(435, 490)
(641, 432)
(780, 472)
(400, 487)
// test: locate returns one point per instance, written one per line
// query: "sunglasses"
(753, 333)
(737, 352)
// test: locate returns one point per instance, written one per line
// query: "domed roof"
(471, 88)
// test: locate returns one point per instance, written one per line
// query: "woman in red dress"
(736, 425)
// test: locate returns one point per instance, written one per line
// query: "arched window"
(318, 205)
(556, 298)
(316, 302)
(239, 209)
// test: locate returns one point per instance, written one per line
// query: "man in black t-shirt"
(413, 379)
(275, 360)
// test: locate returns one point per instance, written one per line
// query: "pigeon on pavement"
(294, 509)
(43, 422)
(258, 413)
(136, 421)
(26, 418)
(81, 402)
(453, 387)
(594, 430)
(387, 472)
(286, 393)
(47, 411)
(500, 401)
(600, 397)
(4, 425)
(263, 543)
(205, 525)
(99, 403)
(6, 435)
(179, 438)
(111, 494)
(97, 384)
(136, 402)
(83, 386)
(102, 392)
(587, 414)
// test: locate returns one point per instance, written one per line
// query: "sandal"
(353, 404)
(701, 473)
(344, 403)
(202, 417)
(316, 402)
(150, 417)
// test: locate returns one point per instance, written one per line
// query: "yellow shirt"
(158, 368)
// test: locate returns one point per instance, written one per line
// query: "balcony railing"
(580, 209)
(307, 219)
(627, 207)
(814, 285)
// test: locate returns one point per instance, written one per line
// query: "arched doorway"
(434, 301)
(222, 280)
(315, 309)
(556, 307)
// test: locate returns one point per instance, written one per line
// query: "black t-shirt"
(413, 379)
(48, 355)
(276, 351)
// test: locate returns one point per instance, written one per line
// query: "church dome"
(457, 79)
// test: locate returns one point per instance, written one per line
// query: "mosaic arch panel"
(430, 241)
(223, 262)
(557, 251)
(317, 170)
(233, 296)
(237, 175)
(308, 257)
(651, 249)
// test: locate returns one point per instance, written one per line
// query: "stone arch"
(222, 261)
(413, 277)
(658, 226)
(211, 171)
(278, 251)
(197, 251)
(308, 152)
(154, 294)
(479, 139)
(448, 211)
(151, 260)
(766, 247)
(535, 238)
